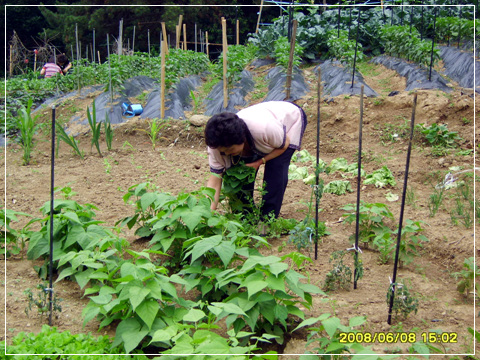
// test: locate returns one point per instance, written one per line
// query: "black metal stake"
(52, 186)
(399, 236)
(356, 47)
(357, 222)
(319, 83)
(433, 44)
(460, 18)
(338, 22)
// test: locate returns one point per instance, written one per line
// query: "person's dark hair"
(51, 59)
(62, 59)
(225, 129)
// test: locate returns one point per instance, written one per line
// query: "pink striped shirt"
(269, 124)
(51, 69)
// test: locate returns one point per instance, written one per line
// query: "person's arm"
(42, 72)
(275, 153)
(215, 182)
(68, 67)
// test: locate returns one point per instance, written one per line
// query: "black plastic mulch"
(337, 80)
(417, 76)
(460, 66)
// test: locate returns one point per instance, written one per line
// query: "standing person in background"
(64, 63)
(264, 134)
(50, 68)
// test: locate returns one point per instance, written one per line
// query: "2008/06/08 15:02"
(402, 337)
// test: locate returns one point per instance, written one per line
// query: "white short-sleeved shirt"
(269, 124)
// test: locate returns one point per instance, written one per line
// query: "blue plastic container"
(131, 110)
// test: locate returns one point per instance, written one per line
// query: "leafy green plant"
(402, 41)
(385, 245)
(380, 178)
(340, 276)
(69, 140)
(41, 301)
(302, 235)
(27, 126)
(466, 276)
(153, 130)
(436, 200)
(282, 53)
(439, 135)
(371, 220)
(234, 180)
(94, 127)
(342, 48)
(331, 337)
(75, 228)
(404, 302)
(338, 187)
(14, 240)
(411, 242)
(107, 127)
(50, 341)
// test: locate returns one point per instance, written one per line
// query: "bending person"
(264, 134)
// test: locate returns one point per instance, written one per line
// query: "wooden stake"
(225, 49)
(99, 61)
(35, 63)
(238, 32)
(259, 15)
(184, 36)
(288, 83)
(164, 32)
(11, 60)
(120, 38)
(206, 42)
(179, 30)
(162, 79)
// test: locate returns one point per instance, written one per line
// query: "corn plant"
(107, 127)
(154, 128)
(26, 125)
(95, 127)
(69, 140)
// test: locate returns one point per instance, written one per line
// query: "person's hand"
(255, 164)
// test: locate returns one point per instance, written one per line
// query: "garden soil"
(178, 164)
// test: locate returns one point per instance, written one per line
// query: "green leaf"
(165, 335)
(225, 251)
(254, 287)
(131, 333)
(147, 199)
(137, 295)
(194, 315)
(331, 325)
(147, 311)
(356, 321)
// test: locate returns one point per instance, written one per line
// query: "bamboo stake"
(35, 63)
(93, 48)
(179, 30)
(184, 36)
(206, 42)
(99, 61)
(288, 83)
(259, 15)
(164, 32)
(11, 60)
(225, 49)
(238, 32)
(195, 37)
(148, 39)
(177, 38)
(162, 79)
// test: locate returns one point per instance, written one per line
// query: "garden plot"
(178, 165)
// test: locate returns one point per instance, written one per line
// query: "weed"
(435, 200)
(467, 276)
